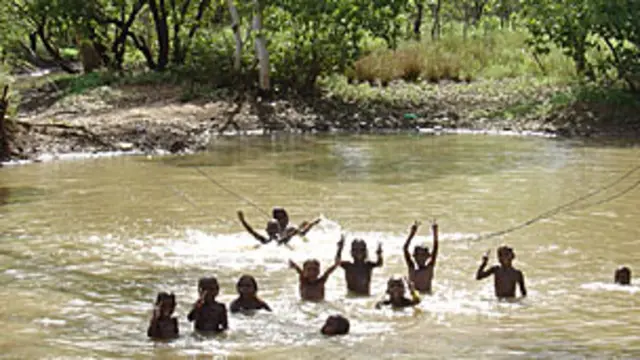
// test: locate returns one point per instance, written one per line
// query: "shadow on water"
(371, 158)
(20, 195)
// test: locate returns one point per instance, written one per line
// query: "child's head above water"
(281, 215)
(421, 254)
(623, 276)
(273, 228)
(247, 285)
(311, 269)
(395, 287)
(335, 325)
(359, 250)
(505, 255)
(208, 286)
(166, 303)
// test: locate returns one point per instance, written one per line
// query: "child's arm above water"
(379, 262)
(481, 273)
(250, 230)
(224, 324)
(336, 262)
(405, 248)
(434, 253)
(295, 267)
(306, 226)
(523, 289)
(338, 258)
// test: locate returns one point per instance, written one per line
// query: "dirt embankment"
(153, 118)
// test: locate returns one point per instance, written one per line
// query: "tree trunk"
(417, 24)
(261, 47)
(159, 13)
(53, 51)
(435, 29)
(5, 148)
(235, 25)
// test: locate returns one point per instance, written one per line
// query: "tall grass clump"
(496, 54)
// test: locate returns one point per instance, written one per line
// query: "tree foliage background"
(304, 39)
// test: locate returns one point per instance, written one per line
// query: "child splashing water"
(311, 283)
(358, 272)
(395, 292)
(506, 277)
(163, 325)
(247, 288)
(421, 267)
(209, 315)
(277, 228)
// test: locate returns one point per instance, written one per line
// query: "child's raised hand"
(415, 226)
(240, 214)
(485, 257)
(379, 251)
(292, 265)
(434, 224)
(341, 241)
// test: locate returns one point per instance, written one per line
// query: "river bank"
(160, 118)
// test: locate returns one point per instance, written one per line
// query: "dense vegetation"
(290, 44)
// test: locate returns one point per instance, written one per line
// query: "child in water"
(247, 288)
(358, 272)
(280, 214)
(396, 299)
(622, 276)
(421, 271)
(311, 285)
(162, 325)
(505, 276)
(208, 314)
(335, 325)
(275, 231)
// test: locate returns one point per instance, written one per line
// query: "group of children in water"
(210, 316)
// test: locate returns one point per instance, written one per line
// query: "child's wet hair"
(506, 250)
(341, 324)
(248, 278)
(358, 243)
(165, 296)
(623, 275)
(310, 262)
(421, 248)
(278, 210)
(207, 283)
(394, 281)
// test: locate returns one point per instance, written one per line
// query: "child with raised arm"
(358, 273)
(163, 325)
(281, 215)
(421, 267)
(274, 231)
(395, 293)
(247, 288)
(505, 276)
(208, 314)
(311, 283)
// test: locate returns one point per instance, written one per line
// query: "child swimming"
(335, 325)
(358, 273)
(622, 276)
(208, 314)
(505, 276)
(247, 288)
(421, 271)
(280, 214)
(163, 325)
(311, 285)
(395, 292)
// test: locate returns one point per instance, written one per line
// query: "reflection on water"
(80, 266)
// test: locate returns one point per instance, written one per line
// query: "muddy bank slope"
(157, 118)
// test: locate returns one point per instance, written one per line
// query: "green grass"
(497, 54)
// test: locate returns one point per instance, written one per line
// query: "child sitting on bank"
(506, 277)
(335, 325)
(208, 314)
(247, 288)
(358, 272)
(622, 276)
(311, 283)
(163, 325)
(422, 267)
(395, 292)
